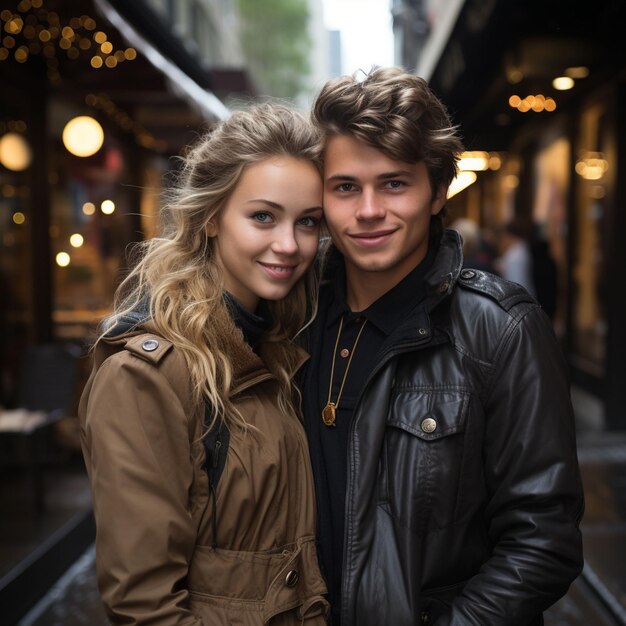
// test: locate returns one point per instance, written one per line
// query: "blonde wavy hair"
(178, 280)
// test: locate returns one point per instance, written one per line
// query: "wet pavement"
(597, 597)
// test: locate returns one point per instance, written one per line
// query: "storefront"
(91, 113)
(541, 89)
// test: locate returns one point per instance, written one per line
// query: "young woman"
(198, 462)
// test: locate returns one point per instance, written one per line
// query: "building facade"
(143, 78)
(540, 90)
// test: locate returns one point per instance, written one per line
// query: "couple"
(425, 473)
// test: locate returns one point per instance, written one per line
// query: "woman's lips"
(278, 271)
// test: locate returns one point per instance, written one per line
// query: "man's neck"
(364, 288)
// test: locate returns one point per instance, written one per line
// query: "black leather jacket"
(463, 496)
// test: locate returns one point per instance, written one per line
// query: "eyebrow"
(385, 176)
(280, 207)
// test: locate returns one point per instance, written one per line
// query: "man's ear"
(439, 200)
(211, 229)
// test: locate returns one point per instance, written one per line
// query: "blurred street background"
(98, 97)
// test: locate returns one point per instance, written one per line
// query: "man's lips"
(371, 239)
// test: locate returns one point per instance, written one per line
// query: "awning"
(203, 101)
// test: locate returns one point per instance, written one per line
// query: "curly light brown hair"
(177, 272)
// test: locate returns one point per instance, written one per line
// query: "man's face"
(377, 209)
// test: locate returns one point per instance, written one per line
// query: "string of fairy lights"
(34, 31)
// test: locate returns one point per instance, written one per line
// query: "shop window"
(16, 217)
(552, 175)
(589, 271)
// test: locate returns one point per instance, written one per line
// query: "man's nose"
(369, 206)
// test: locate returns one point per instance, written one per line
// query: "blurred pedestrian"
(545, 272)
(436, 398)
(201, 479)
(515, 262)
(476, 252)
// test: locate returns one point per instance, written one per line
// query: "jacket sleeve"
(136, 446)
(535, 498)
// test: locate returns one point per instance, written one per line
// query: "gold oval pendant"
(328, 414)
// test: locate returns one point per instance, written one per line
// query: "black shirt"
(329, 445)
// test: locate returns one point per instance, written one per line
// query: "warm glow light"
(514, 101)
(83, 136)
(100, 37)
(550, 104)
(76, 240)
(514, 76)
(89, 208)
(63, 259)
(579, 71)
(495, 162)
(107, 207)
(473, 161)
(563, 83)
(96, 62)
(460, 182)
(19, 218)
(130, 54)
(15, 153)
(539, 104)
(592, 166)
(511, 181)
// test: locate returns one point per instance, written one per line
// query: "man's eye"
(395, 184)
(262, 217)
(345, 187)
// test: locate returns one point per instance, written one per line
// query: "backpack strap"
(216, 442)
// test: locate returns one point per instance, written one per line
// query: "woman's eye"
(262, 217)
(309, 222)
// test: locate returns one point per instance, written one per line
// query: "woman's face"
(266, 236)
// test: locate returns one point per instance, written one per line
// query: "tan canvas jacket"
(141, 436)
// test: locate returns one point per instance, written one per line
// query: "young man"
(436, 401)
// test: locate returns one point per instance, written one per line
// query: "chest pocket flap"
(429, 413)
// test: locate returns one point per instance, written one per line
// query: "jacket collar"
(439, 284)
(444, 273)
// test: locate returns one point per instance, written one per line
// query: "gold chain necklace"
(329, 411)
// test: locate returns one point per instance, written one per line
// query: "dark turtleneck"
(252, 325)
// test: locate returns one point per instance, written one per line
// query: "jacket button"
(444, 286)
(422, 331)
(150, 345)
(468, 274)
(429, 425)
(291, 580)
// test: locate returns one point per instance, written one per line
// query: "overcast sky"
(366, 32)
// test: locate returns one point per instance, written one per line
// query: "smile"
(373, 239)
(280, 272)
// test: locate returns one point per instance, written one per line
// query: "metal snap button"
(444, 286)
(150, 345)
(468, 274)
(429, 425)
(291, 580)
(422, 331)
